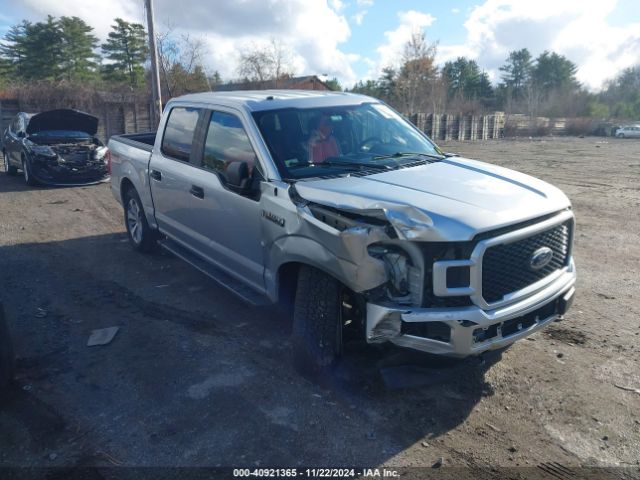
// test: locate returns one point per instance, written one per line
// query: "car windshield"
(312, 142)
(62, 134)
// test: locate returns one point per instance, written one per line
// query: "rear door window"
(179, 131)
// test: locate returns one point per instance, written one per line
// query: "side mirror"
(238, 176)
(449, 154)
(22, 134)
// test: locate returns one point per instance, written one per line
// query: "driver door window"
(226, 142)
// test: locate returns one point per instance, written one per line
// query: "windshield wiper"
(330, 163)
(409, 154)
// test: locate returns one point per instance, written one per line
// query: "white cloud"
(359, 17)
(313, 28)
(390, 53)
(337, 5)
(577, 29)
(455, 10)
(364, 3)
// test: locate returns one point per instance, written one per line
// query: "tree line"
(65, 49)
(541, 86)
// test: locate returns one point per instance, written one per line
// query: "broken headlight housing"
(43, 151)
(404, 285)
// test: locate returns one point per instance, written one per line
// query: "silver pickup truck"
(336, 206)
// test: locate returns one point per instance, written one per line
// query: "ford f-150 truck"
(335, 205)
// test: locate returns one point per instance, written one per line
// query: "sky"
(355, 39)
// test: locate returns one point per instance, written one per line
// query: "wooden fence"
(116, 113)
(460, 127)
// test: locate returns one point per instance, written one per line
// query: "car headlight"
(100, 153)
(43, 150)
(404, 277)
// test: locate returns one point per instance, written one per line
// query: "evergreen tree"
(334, 85)
(42, 45)
(126, 50)
(13, 50)
(554, 72)
(78, 49)
(517, 72)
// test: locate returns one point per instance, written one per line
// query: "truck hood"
(63, 119)
(449, 200)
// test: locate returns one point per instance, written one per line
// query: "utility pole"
(155, 71)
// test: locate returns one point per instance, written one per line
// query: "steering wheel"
(367, 143)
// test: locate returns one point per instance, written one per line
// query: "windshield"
(311, 142)
(62, 134)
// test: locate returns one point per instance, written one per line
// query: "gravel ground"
(196, 378)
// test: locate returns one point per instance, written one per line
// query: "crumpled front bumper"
(461, 332)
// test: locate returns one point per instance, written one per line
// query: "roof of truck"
(257, 100)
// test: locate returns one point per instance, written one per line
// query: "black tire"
(6, 352)
(8, 169)
(141, 236)
(621, 135)
(26, 172)
(317, 322)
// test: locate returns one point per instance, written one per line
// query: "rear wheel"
(8, 169)
(141, 236)
(317, 322)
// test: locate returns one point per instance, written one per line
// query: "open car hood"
(63, 119)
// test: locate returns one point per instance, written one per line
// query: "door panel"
(170, 173)
(230, 227)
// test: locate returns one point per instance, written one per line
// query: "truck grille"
(506, 269)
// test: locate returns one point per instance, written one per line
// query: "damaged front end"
(62, 148)
(423, 291)
(69, 164)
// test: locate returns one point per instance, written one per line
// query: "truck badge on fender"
(273, 218)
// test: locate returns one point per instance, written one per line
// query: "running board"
(222, 278)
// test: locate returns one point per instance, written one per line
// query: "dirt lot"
(195, 377)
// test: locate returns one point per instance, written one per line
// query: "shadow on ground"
(193, 376)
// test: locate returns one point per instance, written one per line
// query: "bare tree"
(266, 63)
(416, 79)
(181, 63)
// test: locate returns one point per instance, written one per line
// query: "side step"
(222, 278)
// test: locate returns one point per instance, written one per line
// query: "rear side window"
(226, 142)
(178, 134)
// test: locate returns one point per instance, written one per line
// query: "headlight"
(99, 153)
(43, 150)
(398, 267)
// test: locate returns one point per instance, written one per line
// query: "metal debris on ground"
(102, 336)
(628, 389)
(40, 313)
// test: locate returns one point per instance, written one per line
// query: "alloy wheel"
(134, 221)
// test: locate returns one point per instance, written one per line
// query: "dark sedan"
(57, 147)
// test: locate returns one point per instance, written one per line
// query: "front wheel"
(141, 236)
(26, 171)
(317, 322)
(621, 135)
(8, 168)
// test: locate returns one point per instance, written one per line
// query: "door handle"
(197, 191)
(156, 175)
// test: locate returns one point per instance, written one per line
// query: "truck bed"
(143, 141)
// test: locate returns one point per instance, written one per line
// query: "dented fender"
(291, 233)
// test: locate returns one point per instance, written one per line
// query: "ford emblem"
(540, 258)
